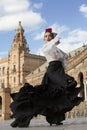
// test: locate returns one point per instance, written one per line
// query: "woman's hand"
(58, 42)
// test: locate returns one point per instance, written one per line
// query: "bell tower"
(20, 61)
(16, 58)
(19, 40)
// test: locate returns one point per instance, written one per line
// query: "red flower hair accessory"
(50, 31)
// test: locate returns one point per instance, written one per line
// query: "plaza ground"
(41, 124)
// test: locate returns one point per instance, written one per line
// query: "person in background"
(57, 93)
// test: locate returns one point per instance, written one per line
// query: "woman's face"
(48, 37)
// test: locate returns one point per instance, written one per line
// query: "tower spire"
(19, 38)
(19, 22)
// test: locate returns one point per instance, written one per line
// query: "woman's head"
(49, 35)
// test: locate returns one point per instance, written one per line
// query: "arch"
(80, 76)
(0, 106)
(81, 82)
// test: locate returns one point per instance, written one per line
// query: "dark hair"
(52, 35)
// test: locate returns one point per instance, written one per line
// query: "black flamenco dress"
(56, 95)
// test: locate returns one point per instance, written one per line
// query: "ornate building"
(21, 66)
(16, 67)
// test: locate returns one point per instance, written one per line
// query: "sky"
(68, 18)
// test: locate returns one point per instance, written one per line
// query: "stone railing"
(78, 111)
(77, 60)
(36, 76)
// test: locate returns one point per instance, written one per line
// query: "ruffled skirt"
(56, 95)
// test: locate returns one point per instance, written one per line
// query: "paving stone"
(41, 124)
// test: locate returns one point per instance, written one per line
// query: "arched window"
(14, 80)
(3, 70)
(14, 68)
(23, 44)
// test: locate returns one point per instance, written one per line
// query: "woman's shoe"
(24, 123)
(14, 124)
(59, 123)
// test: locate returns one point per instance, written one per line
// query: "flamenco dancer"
(56, 95)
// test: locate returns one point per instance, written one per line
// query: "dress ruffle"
(56, 95)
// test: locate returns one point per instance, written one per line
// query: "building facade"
(19, 63)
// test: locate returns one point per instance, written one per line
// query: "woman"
(56, 95)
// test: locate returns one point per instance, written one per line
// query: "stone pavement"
(41, 124)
